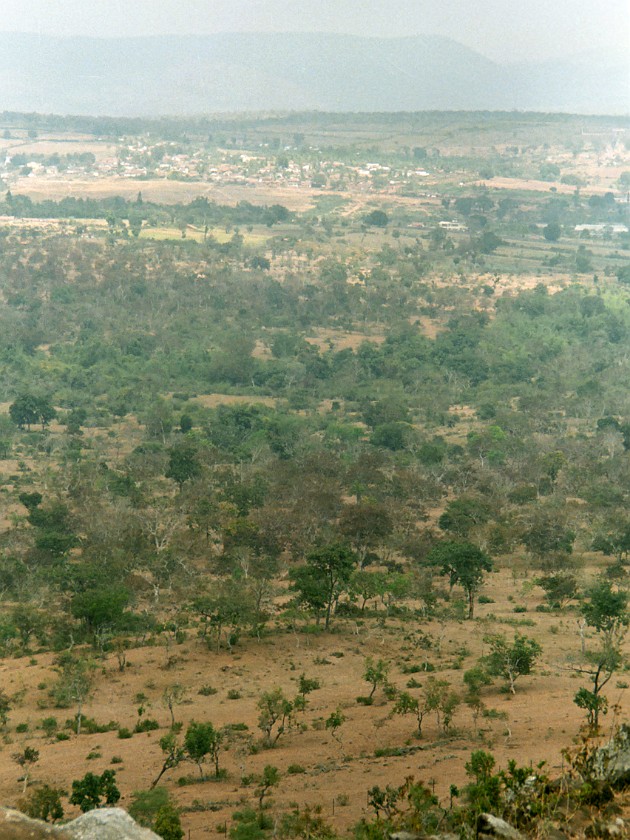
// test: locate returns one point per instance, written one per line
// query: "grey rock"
(15, 826)
(403, 835)
(612, 761)
(410, 835)
(102, 824)
(490, 826)
(107, 824)
(615, 829)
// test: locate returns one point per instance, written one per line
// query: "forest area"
(315, 472)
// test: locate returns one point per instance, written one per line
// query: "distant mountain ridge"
(185, 75)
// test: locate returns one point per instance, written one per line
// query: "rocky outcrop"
(612, 761)
(491, 826)
(102, 824)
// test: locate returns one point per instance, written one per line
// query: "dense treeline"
(348, 446)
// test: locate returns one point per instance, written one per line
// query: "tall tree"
(324, 577)
(465, 564)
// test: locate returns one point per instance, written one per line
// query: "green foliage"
(43, 803)
(406, 704)
(606, 608)
(552, 232)
(559, 588)
(334, 721)
(593, 704)
(376, 673)
(201, 740)
(376, 218)
(306, 685)
(484, 792)
(145, 805)
(28, 409)
(74, 684)
(183, 464)
(103, 607)
(463, 514)
(5, 707)
(464, 563)
(275, 714)
(511, 661)
(174, 753)
(323, 579)
(92, 790)
(168, 824)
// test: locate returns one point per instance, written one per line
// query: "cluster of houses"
(140, 159)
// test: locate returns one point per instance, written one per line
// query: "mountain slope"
(235, 72)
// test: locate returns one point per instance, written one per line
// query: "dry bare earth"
(164, 191)
(540, 720)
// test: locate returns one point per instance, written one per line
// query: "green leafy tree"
(26, 759)
(145, 805)
(560, 588)
(92, 791)
(552, 232)
(464, 514)
(174, 753)
(183, 464)
(465, 564)
(28, 409)
(376, 674)
(606, 610)
(484, 792)
(547, 538)
(54, 531)
(98, 608)
(511, 661)
(475, 679)
(406, 704)
(74, 684)
(229, 609)
(614, 540)
(5, 707)
(202, 740)
(168, 824)
(365, 525)
(377, 218)
(334, 722)
(275, 714)
(324, 577)
(269, 779)
(441, 699)
(43, 803)
(594, 703)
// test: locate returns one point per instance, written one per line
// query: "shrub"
(168, 824)
(145, 804)
(43, 803)
(89, 791)
(49, 725)
(146, 725)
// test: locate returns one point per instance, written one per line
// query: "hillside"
(239, 72)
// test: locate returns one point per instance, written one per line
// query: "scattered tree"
(511, 661)
(465, 564)
(201, 740)
(275, 714)
(92, 791)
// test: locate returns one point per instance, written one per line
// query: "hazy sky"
(500, 29)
